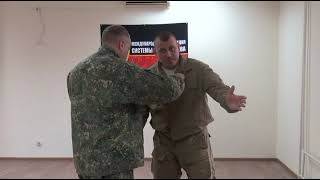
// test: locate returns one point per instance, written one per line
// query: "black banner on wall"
(142, 37)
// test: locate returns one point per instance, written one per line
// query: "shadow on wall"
(1, 66)
(1, 51)
(1, 56)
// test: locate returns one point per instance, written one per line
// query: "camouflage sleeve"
(68, 85)
(144, 110)
(214, 86)
(143, 87)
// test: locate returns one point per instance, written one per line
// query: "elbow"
(177, 92)
(171, 95)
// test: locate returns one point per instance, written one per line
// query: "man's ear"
(121, 45)
(154, 51)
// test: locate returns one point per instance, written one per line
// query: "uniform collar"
(182, 67)
(105, 49)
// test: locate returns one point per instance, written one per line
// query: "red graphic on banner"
(146, 61)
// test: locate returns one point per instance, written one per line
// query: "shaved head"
(118, 38)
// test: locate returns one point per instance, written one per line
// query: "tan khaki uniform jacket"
(190, 113)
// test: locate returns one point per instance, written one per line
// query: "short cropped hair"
(112, 33)
(164, 35)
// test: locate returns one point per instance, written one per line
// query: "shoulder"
(154, 67)
(195, 63)
(84, 66)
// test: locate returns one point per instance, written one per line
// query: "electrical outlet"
(39, 144)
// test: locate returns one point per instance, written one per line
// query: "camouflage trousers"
(193, 154)
(121, 175)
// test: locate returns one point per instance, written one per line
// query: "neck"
(169, 68)
(113, 48)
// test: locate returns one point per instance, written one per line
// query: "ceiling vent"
(142, 3)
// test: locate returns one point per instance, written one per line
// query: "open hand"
(235, 102)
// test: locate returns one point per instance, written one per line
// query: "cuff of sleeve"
(224, 104)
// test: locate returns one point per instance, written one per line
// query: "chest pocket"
(191, 80)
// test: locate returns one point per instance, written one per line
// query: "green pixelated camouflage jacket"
(108, 97)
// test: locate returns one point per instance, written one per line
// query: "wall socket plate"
(39, 144)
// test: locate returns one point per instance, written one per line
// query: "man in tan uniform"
(181, 138)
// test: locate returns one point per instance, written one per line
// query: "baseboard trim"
(148, 159)
(36, 158)
(245, 159)
(288, 169)
(237, 159)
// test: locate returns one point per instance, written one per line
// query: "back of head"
(118, 38)
(112, 34)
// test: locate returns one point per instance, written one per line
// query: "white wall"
(314, 121)
(237, 39)
(314, 80)
(291, 25)
(1, 74)
(242, 48)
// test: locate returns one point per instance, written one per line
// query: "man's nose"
(169, 54)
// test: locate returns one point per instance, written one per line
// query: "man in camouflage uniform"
(108, 97)
(181, 139)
